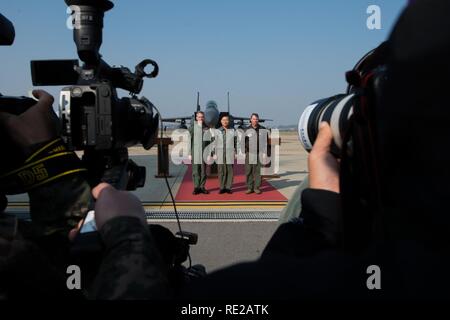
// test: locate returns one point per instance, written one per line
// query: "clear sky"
(275, 57)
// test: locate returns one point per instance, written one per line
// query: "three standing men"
(225, 164)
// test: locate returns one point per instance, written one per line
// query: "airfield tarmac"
(229, 232)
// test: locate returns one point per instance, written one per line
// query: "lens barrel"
(88, 27)
(335, 110)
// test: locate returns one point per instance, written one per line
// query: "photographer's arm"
(319, 225)
(60, 200)
(59, 206)
(132, 267)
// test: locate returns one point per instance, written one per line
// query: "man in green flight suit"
(226, 156)
(252, 157)
(198, 144)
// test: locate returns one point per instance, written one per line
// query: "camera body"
(94, 117)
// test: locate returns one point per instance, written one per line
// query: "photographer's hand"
(132, 267)
(36, 125)
(323, 166)
(112, 203)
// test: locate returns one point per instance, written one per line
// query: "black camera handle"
(140, 69)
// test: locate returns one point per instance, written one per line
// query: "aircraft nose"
(211, 116)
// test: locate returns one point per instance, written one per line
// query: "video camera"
(94, 119)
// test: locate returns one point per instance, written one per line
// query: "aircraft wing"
(177, 119)
(248, 120)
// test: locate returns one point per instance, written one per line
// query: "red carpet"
(269, 193)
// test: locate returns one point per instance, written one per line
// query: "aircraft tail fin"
(198, 101)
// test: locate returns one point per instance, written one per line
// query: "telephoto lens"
(335, 110)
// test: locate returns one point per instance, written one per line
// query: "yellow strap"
(35, 163)
(56, 177)
(41, 149)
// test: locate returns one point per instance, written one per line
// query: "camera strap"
(49, 163)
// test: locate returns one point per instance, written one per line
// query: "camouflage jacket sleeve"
(132, 267)
(59, 206)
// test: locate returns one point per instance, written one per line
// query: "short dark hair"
(198, 113)
(254, 114)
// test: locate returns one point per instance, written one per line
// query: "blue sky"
(275, 57)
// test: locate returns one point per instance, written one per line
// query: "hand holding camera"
(111, 203)
(323, 165)
(34, 126)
